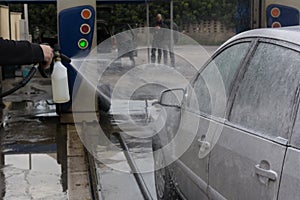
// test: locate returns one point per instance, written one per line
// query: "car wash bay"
(42, 158)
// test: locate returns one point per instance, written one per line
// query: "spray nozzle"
(60, 56)
(57, 57)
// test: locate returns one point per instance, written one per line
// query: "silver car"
(238, 138)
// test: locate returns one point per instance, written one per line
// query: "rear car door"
(246, 163)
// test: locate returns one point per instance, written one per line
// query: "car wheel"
(164, 186)
(104, 97)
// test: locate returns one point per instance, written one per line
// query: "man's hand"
(48, 54)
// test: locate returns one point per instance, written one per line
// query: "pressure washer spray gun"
(59, 78)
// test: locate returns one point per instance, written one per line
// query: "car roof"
(288, 34)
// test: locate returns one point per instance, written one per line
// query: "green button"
(83, 43)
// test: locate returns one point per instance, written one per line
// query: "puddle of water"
(33, 152)
(32, 176)
(22, 124)
(35, 90)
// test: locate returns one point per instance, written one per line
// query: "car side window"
(207, 84)
(265, 97)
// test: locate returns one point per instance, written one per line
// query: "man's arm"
(20, 52)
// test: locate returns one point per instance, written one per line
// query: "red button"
(85, 29)
(276, 25)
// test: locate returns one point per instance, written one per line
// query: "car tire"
(104, 97)
(164, 186)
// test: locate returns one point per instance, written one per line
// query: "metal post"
(30, 162)
(9, 23)
(171, 13)
(148, 32)
(171, 24)
(171, 47)
(134, 169)
(26, 21)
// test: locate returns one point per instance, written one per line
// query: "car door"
(246, 163)
(290, 181)
(204, 98)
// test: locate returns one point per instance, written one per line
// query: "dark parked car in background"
(257, 153)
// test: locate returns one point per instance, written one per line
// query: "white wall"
(4, 22)
(15, 18)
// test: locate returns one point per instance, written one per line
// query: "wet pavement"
(33, 164)
(115, 175)
(131, 115)
(33, 151)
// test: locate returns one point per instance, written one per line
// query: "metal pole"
(26, 21)
(9, 23)
(134, 169)
(171, 24)
(171, 13)
(148, 33)
(171, 45)
(30, 162)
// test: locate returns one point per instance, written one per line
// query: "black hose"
(45, 73)
(136, 173)
(20, 84)
(65, 58)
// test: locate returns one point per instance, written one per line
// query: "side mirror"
(172, 97)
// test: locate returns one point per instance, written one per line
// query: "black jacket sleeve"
(19, 52)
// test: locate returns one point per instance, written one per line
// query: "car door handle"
(270, 174)
(204, 148)
(204, 145)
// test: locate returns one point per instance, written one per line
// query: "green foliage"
(43, 17)
(185, 11)
(221, 10)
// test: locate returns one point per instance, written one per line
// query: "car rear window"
(266, 96)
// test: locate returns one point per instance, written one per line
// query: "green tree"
(185, 11)
(43, 17)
